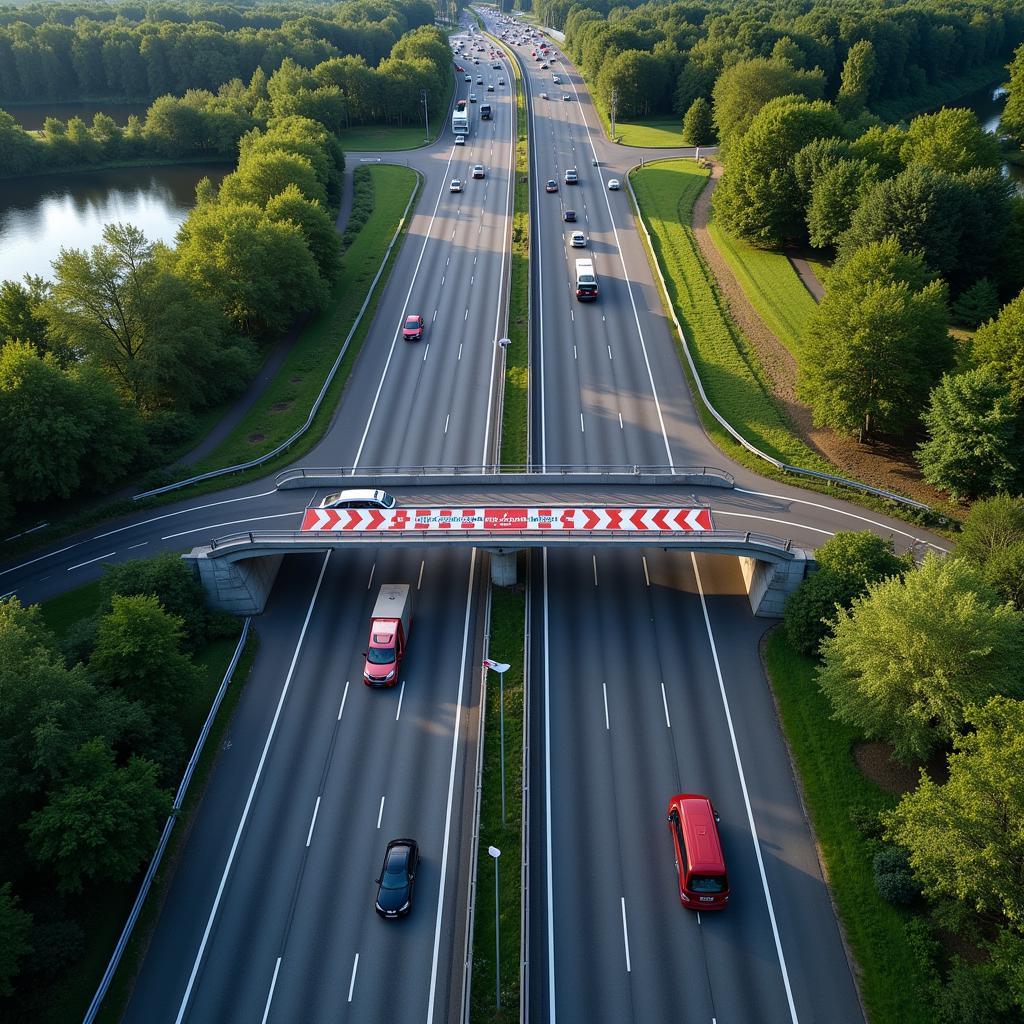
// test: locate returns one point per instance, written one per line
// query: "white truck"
(586, 281)
(460, 118)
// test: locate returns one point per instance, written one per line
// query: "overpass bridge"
(239, 569)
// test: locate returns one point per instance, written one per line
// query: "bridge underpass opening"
(238, 570)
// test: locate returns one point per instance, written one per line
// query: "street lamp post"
(426, 117)
(495, 854)
(501, 668)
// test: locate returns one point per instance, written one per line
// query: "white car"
(358, 499)
(543, 95)
(501, 81)
(456, 185)
(614, 185)
(578, 240)
(556, 79)
(460, 140)
(478, 171)
(472, 97)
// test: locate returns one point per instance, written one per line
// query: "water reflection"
(39, 215)
(32, 115)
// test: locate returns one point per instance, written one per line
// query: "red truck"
(389, 634)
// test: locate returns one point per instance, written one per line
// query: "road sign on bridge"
(509, 519)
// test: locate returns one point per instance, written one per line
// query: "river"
(32, 115)
(40, 214)
(988, 104)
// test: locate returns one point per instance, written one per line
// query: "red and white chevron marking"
(488, 520)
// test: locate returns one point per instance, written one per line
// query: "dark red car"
(700, 863)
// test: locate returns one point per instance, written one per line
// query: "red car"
(413, 329)
(551, 186)
(700, 863)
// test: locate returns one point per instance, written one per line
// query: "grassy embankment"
(514, 431)
(891, 979)
(729, 370)
(107, 908)
(508, 614)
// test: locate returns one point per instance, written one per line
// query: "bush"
(362, 205)
(867, 822)
(975, 993)
(811, 610)
(55, 945)
(894, 879)
(977, 304)
(79, 639)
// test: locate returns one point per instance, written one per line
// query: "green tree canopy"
(876, 343)
(316, 225)
(21, 318)
(1000, 344)
(15, 925)
(908, 660)
(263, 175)
(698, 129)
(964, 835)
(993, 538)
(975, 434)
(951, 141)
(858, 78)
(835, 197)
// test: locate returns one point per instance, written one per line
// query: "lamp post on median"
(426, 117)
(501, 668)
(495, 854)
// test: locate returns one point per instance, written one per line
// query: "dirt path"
(879, 465)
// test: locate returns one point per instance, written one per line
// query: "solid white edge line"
(647, 575)
(369, 582)
(352, 982)
(312, 823)
(270, 994)
(625, 934)
(249, 800)
(233, 522)
(604, 692)
(100, 558)
(746, 795)
(401, 695)
(547, 801)
(405, 305)
(451, 791)
(419, 582)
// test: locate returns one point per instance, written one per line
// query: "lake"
(32, 115)
(39, 215)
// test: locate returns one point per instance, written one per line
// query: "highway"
(644, 673)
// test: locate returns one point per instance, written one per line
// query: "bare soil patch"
(256, 438)
(875, 761)
(880, 465)
(281, 406)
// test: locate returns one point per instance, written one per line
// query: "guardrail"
(154, 864)
(496, 538)
(284, 446)
(725, 424)
(498, 474)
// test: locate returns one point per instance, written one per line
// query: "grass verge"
(106, 908)
(382, 138)
(514, 427)
(891, 980)
(771, 285)
(508, 623)
(653, 132)
(729, 370)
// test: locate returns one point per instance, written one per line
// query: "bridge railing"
(494, 538)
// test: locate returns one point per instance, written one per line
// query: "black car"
(397, 877)
(569, 215)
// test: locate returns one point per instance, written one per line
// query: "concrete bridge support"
(503, 566)
(241, 587)
(769, 584)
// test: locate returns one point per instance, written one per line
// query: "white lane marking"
(442, 280)
(842, 512)
(270, 994)
(446, 419)
(456, 730)
(583, 429)
(604, 693)
(232, 522)
(344, 697)
(472, 279)
(647, 575)
(141, 544)
(352, 983)
(405, 305)
(426, 351)
(746, 795)
(380, 813)
(664, 700)
(547, 797)
(419, 582)
(625, 934)
(434, 317)
(369, 582)
(574, 355)
(460, 352)
(10, 593)
(133, 526)
(252, 794)
(91, 560)
(778, 522)
(401, 695)
(621, 427)
(312, 824)
(466, 315)
(594, 557)
(609, 352)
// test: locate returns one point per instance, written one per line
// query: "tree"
(861, 556)
(19, 151)
(817, 157)
(758, 198)
(952, 141)
(977, 304)
(857, 79)
(836, 195)
(993, 538)
(909, 658)
(103, 823)
(998, 344)
(876, 343)
(637, 78)
(138, 650)
(975, 428)
(697, 127)
(964, 835)
(316, 225)
(743, 89)
(14, 944)
(263, 175)
(20, 316)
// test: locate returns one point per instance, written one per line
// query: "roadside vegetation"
(514, 426)
(506, 643)
(899, 688)
(105, 691)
